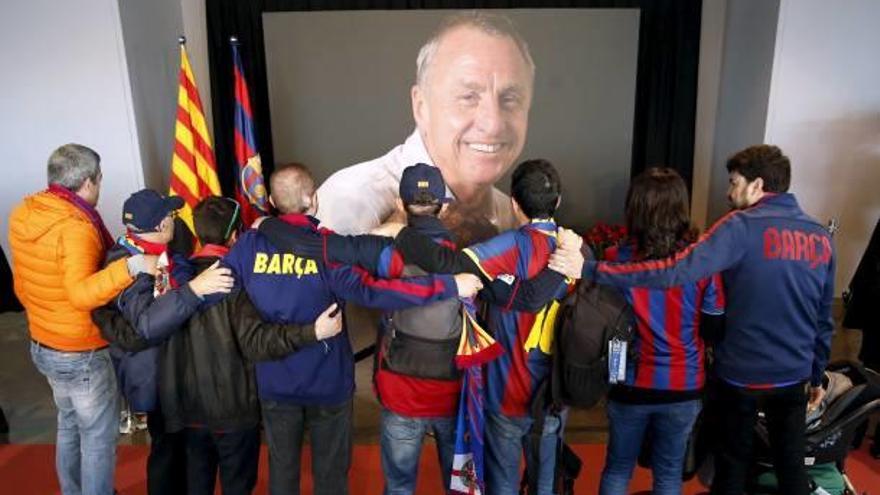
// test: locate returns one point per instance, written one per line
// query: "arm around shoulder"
(88, 287)
(260, 340)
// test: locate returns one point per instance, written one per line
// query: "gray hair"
(491, 24)
(70, 165)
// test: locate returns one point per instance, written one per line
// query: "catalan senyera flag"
(193, 169)
(251, 190)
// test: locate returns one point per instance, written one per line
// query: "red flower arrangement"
(602, 236)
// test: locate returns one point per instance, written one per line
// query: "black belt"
(44, 346)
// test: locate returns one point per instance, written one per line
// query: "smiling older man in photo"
(470, 102)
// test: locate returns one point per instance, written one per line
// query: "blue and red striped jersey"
(513, 378)
(669, 349)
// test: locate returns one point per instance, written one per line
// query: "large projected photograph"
(340, 83)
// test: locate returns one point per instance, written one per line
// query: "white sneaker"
(125, 423)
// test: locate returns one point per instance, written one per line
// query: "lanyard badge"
(616, 361)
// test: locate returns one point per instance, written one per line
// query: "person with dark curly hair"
(660, 394)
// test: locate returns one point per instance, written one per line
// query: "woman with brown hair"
(661, 390)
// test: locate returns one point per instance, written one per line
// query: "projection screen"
(339, 88)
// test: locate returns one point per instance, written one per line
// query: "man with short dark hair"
(513, 380)
(777, 264)
(754, 170)
(58, 242)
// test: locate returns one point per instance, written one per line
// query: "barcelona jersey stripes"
(668, 345)
(513, 378)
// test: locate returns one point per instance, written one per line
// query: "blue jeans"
(85, 392)
(506, 436)
(401, 445)
(670, 426)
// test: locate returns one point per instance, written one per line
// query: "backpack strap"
(566, 313)
(541, 407)
(374, 350)
(365, 353)
(539, 411)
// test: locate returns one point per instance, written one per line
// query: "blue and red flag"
(251, 189)
(475, 349)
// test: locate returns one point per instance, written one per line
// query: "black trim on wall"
(666, 81)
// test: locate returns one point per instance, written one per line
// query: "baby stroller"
(835, 428)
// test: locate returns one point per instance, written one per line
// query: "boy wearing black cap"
(141, 319)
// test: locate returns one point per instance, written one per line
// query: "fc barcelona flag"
(475, 349)
(251, 190)
(193, 170)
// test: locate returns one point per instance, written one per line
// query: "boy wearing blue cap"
(417, 400)
(143, 316)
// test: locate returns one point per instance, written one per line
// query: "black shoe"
(4, 425)
(875, 450)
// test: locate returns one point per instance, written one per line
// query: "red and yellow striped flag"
(193, 170)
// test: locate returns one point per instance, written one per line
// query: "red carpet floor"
(29, 469)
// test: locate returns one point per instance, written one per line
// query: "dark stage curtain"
(666, 81)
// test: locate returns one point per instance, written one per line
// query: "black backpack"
(588, 319)
(422, 341)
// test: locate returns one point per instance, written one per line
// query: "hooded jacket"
(56, 265)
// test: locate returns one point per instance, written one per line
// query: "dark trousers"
(235, 453)
(166, 465)
(330, 438)
(785, 411)
(870, 356)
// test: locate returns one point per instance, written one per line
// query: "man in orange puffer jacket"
(58, 243)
